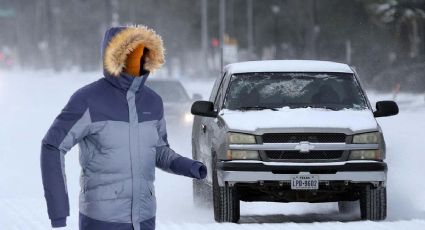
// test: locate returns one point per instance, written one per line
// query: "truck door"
(206, 126)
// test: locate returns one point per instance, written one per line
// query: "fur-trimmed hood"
(120, 41)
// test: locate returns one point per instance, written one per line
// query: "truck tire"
(373, 203)
(225, 199)
(202, 194)
(201, 190)
(348, 207)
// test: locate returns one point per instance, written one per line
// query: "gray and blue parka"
(119, 125)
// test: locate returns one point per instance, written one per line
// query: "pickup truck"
(290, 131)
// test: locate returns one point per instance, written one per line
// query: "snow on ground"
(30, 101)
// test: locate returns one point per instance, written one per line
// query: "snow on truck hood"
(250, 121)
(288, 66)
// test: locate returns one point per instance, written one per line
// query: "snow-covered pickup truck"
(290, 131)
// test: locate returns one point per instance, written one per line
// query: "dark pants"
(87, 223)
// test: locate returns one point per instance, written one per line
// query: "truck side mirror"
(203, 108)
(385, 109)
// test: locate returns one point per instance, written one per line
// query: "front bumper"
(257, 171)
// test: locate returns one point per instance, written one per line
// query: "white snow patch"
(287, 66)
(354, 120)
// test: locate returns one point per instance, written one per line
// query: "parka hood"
(120, 41)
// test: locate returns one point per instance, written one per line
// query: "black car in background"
(176, 100)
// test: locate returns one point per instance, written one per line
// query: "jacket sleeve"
(69, 127)
(170, 161)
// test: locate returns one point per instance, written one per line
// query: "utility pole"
(112, 16)
(348, 51)
(204, 35)
(250, 27)
(276, 10)
(51, 13)
(222, 28)
(115, 14)
(313, 30)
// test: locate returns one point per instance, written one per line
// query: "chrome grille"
(298, 137)
(296, 155)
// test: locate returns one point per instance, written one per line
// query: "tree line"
(372, 35)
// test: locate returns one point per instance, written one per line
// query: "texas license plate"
(305, 182)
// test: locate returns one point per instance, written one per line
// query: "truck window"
(335, 91)
(215, 88)
(220, 93)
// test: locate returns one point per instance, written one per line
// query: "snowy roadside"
(30, 101)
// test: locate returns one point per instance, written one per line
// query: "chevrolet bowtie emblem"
(304, 147)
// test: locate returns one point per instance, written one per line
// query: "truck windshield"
(335, 91)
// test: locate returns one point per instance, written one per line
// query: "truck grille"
(296, 155)
(298, 137)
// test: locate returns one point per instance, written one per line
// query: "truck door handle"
(204, 128)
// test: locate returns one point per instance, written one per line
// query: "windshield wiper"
(256, 108)
(325, 107)
(317, 107)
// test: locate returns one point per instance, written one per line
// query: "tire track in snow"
(364, 225)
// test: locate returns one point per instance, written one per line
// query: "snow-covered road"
(30, 101)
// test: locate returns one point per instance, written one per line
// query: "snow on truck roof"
(287, 66)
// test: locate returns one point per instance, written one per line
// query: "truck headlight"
(188, 118)
(365, 155)
(366, 138)
(242, 155)
(240, 138)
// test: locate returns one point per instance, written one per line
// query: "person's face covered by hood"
(133, 50)
(135, 61)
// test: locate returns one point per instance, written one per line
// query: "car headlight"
(187, 117)
(242, 155)
(240, 138)
(365, 155)
(366, 138)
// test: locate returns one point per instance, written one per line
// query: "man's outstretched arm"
(170, 161)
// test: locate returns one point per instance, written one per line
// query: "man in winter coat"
(119, 125)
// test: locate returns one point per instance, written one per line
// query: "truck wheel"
(347, 207)
(226, 201)
(202, 194)
(373, 203)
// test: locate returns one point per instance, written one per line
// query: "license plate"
(305, 182)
